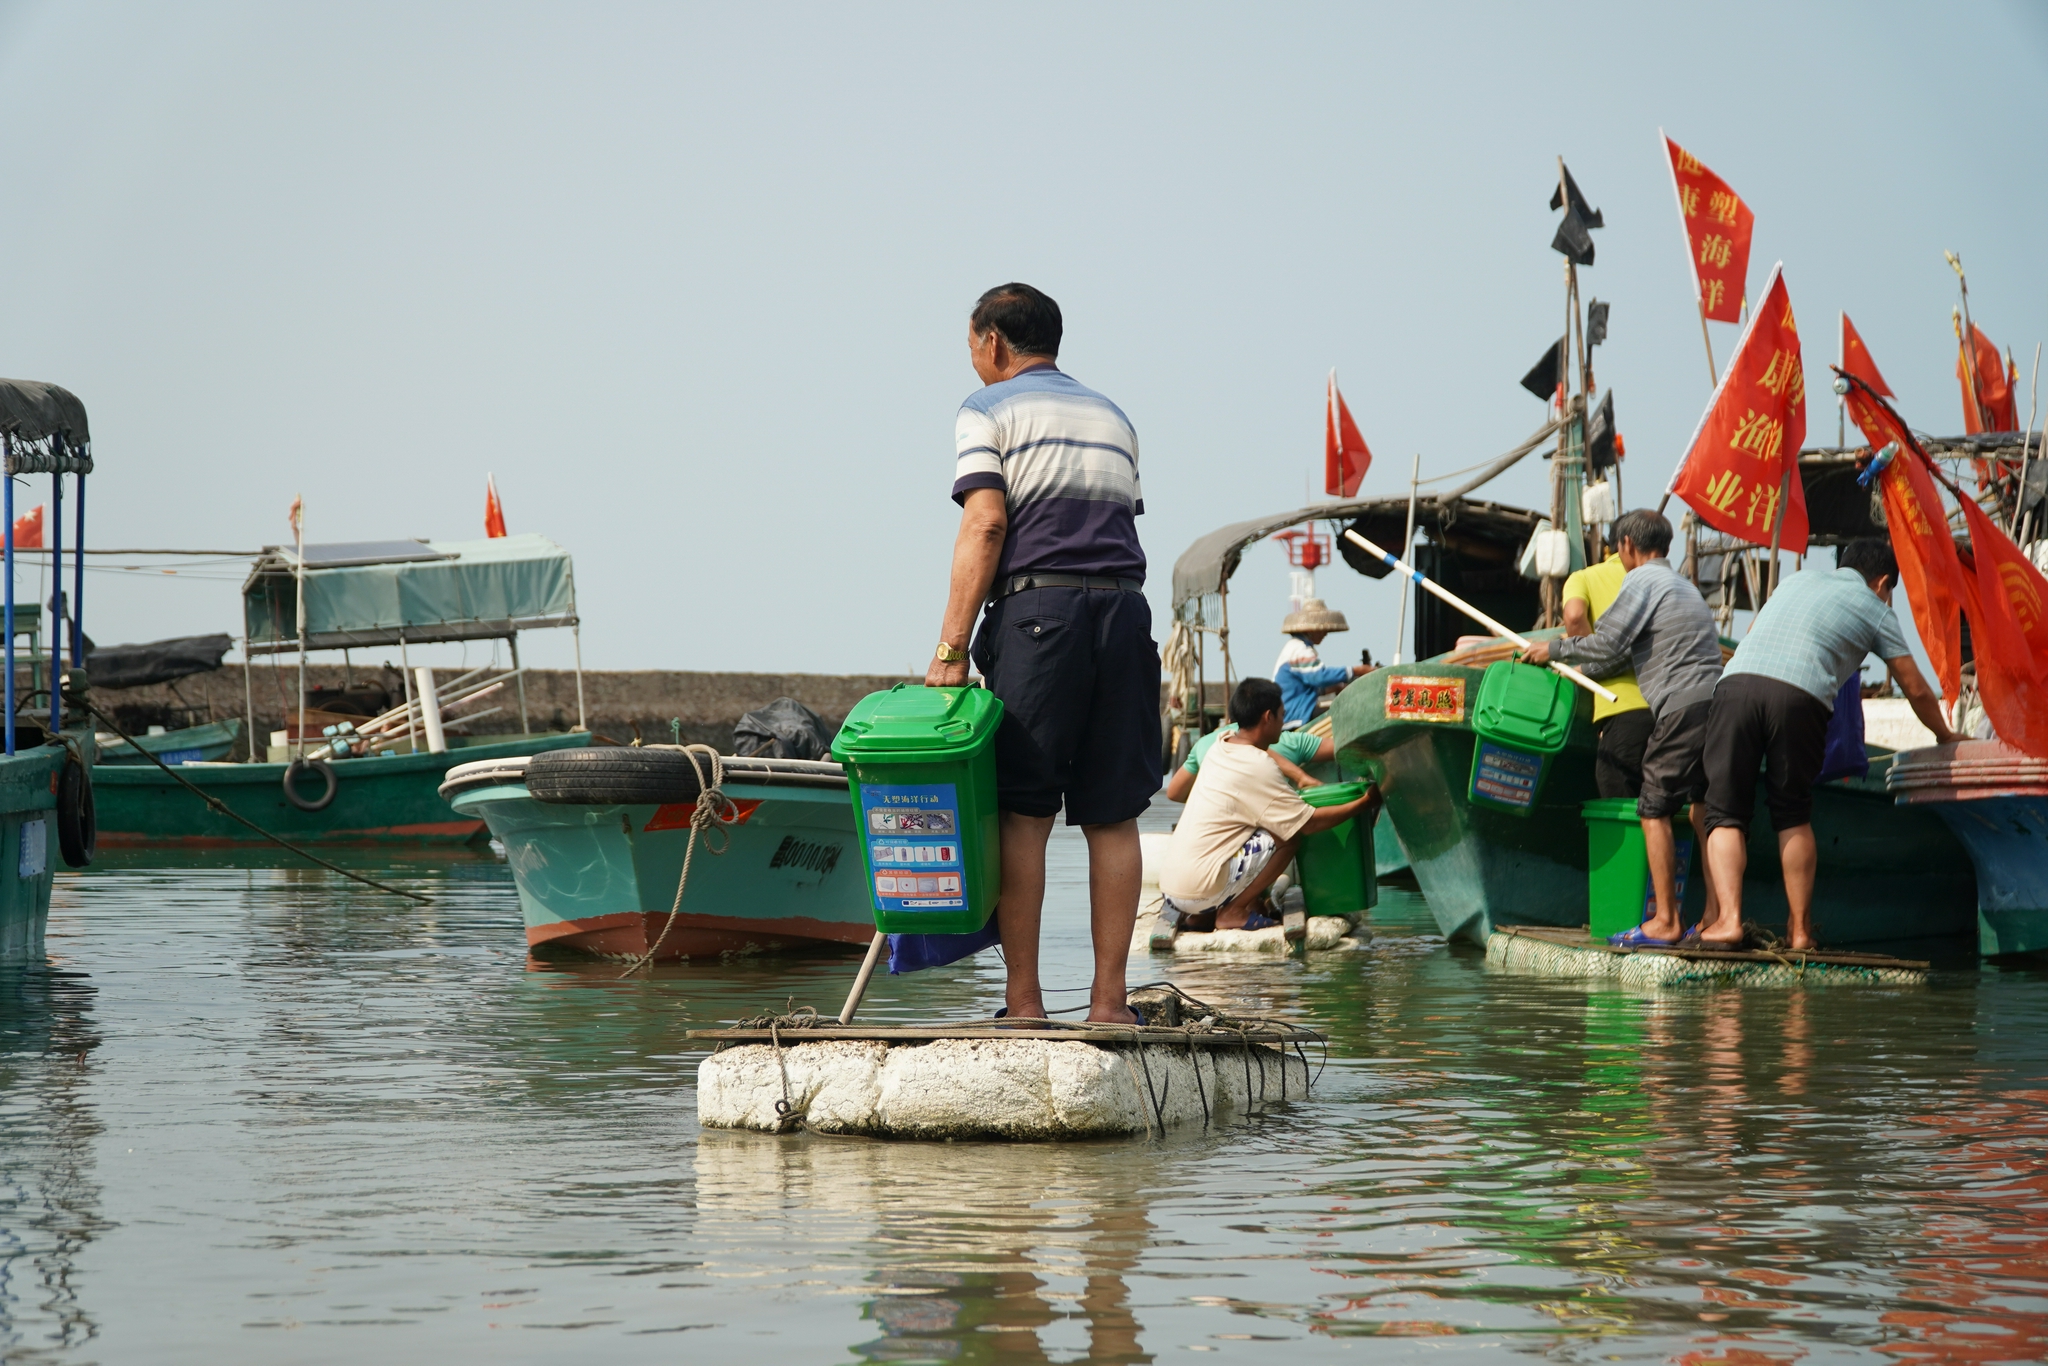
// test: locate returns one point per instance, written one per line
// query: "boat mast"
(1567, 475)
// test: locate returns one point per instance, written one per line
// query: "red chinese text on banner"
(1345, 457)
(1717, 231)
(2009, 630)
(1935, 582)
(1856, 360)
(1732, 472)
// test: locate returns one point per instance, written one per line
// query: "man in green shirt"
(1293, 749)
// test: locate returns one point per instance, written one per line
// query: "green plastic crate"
(1619, 896)
(921, 771)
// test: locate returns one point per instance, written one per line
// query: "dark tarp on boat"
(159, 661)
(784, 729)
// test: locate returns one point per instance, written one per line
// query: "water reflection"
(430, 1146)
(49, 1200)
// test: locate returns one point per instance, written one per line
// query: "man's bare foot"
(1122, 1015)
(1028, 1008)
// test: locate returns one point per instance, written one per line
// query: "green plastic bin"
(1339, 872)
(921, 769)
(1619, 895)
(1519, 724)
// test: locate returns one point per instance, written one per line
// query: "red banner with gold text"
(1717, 232)
(1732, 472)
(2009, 631)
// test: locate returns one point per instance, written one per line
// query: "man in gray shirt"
(1661, 624)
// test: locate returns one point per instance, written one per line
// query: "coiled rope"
(714, 814)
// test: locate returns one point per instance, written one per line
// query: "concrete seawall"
(617, 702)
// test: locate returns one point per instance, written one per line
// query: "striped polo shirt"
(1066, 459)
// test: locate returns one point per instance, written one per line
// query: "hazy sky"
(692, 281)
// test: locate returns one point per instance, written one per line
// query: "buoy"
(1034, 1080)
(1543, 951)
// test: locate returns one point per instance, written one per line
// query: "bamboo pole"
(1520, 641)
(1778, 524)
(867, 972)
(1407, 543)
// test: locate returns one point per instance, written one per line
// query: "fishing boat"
(46, 801)
(1995, 800)
(208, 742)
(330, 777)
(598, 876)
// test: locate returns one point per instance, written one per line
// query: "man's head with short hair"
(1872, 557)
(1027, 319)
(1649, 532)
(1254, 698)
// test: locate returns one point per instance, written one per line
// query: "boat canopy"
(37, 415)
(415, 592)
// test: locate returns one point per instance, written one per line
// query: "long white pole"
(1473, 612)
(1407, 543)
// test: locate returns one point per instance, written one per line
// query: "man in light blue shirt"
(1770, 714)
(1302, 676)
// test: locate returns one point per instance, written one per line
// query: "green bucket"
(921, 770)
(1339, 872)
(1619, 895)
(1519, 723)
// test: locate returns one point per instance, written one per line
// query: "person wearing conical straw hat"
(1300, 672)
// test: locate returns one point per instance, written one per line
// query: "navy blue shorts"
(1078, 674)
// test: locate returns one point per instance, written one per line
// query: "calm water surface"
(257, 1114)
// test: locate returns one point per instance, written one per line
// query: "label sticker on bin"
(1506, 777)
(913, 835)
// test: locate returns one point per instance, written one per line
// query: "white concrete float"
(1326, 934)
(1016, 1089)
(1540, 951)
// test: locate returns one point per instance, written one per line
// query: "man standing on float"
(1047, 481)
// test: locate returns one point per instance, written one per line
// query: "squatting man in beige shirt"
(1243, 822)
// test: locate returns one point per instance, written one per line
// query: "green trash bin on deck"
(1619, 896)
(1519, 724)
(921, 769)
(1339, 872)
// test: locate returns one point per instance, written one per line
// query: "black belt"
(1020, 582)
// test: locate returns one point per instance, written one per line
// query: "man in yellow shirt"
(1623, 725)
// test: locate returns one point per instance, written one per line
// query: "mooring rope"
(221, 808)
(714, 812)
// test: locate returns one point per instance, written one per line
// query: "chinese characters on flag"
(2009, 635)
(1717, 230)
(1345, 457)
(28, 530)
(1733, 472)
(1929, 571)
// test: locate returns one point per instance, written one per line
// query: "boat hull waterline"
(602, 879)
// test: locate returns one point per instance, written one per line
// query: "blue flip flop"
(1255, 920)
(1636, 939)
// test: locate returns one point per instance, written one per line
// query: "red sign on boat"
(1425, 698)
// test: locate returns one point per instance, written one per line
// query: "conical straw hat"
(1315, 615)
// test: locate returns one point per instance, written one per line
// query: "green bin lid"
(925, 725)
(1524, 707)
(1335, 794)
(1609, 809)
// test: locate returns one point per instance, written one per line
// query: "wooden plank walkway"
(1580, 939)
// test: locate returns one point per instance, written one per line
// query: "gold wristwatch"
(949, 655)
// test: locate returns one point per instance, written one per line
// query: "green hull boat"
(1887, 873)
(205, 744)
(601, 879)
(394, 799)
(28, 849)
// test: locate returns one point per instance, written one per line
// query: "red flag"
(2009, 630)
(1934, 579)
(1856, 361)
(1345, 457)
(494, 511)
(28, 530)
(1717, 231)
(1732, 472)
(1995, 404)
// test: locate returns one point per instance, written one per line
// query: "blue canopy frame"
(43, 430)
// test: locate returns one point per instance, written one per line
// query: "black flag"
(1596, 323)
(1546, 374)
(1574, 238)
(1600, 435)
